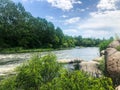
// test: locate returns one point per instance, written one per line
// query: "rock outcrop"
(112, 61)
(114, 44)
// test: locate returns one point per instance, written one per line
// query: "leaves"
(45, 73)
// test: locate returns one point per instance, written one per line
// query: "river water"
(9, 61)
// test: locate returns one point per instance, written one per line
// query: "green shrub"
(8, 84)
(46, 74)
(103, 45)
(101, 66)
(78, 80)
(118, 48)
(37, 71)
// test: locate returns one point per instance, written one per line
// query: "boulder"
(112, 62)
(114, 44)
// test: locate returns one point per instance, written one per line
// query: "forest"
(18, 28)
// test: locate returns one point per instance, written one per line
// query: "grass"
(21, 50)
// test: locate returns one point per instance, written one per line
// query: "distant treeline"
(18, 28)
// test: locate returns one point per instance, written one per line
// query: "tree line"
(18, 28)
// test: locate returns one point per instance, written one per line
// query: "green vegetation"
(21, 50)
(118, 48)
(44, 73)
(20, 31)
(104, 44)
(101, 66)
(87, 42)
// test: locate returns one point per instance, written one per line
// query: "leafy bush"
(8, 84)
(118, 48)
(46, 74)
(78, 80)
(101, 66)
(103, 45)
(37, 71)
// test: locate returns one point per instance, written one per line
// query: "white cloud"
(62, 4)
(108, 4)
(64, 16)
(65, 5)
(31, 0)
(72, 20)
(76, 2)
(103, 23)
(96, 33)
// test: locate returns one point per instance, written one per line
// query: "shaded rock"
(70, 60)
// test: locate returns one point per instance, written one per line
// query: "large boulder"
(114, 44)
(112, 62)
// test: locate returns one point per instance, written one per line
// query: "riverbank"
(8, 61)
(21, 50)
(87, 66)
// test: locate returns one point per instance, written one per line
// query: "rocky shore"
(87, 66)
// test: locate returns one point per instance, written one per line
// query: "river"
(9, 61)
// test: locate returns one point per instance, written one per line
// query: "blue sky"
(88, 18)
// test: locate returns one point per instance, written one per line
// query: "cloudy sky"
(88, 18)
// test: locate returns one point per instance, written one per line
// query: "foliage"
(21, 50)
(8, 83)
(78, 80)
(101, 66)
(37, 71)
(16, 23)
(104, 44)
(45, 73)
(118, 48)
(86, 42)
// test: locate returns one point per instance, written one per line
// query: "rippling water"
(88, 53)
(8, 61)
